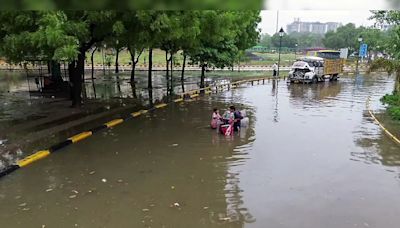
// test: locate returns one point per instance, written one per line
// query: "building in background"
(313, 27)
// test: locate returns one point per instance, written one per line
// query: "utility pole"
(360, 39)
(281, 33)
(277, 21)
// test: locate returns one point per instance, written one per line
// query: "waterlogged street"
(311, 157)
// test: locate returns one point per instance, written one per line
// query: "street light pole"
(360, 39)
(281, 33)
(295, 51)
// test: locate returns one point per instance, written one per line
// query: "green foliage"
(393, 100)
(265, 40)
(129, 4)
(222, 35)
(344, 37)
(287, 41)
(394, 112)
(31, 35)
(52, 35)
(387, 65)
(347, 37)
(308, 39)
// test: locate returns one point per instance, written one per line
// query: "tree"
(287, 41)
(392, 66)
(188, 40)
(170, 29)
(307, 39)
(55, 35)
(217, 44)
(133, 36)
(265, 40)
(247, 34)
(129, 4)
(151, 21)
(27, 36)
(344, 37)
(88, 27)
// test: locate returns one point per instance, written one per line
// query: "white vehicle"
(310, 69)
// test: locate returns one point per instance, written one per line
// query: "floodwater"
(310, 158)
(31, 119)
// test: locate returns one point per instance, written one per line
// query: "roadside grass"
(159, 58)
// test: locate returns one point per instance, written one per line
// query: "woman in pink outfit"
(216, 119)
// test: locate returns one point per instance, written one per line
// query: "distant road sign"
(363, 50)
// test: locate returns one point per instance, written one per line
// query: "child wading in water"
(216, 119)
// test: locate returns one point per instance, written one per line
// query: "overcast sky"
(269, 17)
(327, 4)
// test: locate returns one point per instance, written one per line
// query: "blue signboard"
(363, 50)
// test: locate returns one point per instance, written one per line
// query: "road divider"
(136, 114)
(32, 158)
(114, 123)
(80, 136)
(160, 105)
(178, 100)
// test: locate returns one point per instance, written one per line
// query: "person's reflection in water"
(275, 95)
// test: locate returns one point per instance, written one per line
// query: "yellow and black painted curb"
(387, 132)
(112, 123)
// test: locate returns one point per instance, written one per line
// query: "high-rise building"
(313, 27)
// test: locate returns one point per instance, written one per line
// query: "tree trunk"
(92, 62)
(133, 72)
(116, 62)
(49, 67)
(76, 69)
(149, 82)
(167, 72)
(203, 69)
(55, 69)
(183, 68)
(135, 60)
(172, 70)
(71, 73)
(183, 73)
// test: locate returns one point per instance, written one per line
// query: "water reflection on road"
(310, 158)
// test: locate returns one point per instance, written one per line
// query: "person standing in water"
(216, 119)
(237, 117)
(275, 69)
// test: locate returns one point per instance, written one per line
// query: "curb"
(39, 155)
(393, 137)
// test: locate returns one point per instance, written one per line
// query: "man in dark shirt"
(237, 116)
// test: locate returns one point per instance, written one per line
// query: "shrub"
(393, 100)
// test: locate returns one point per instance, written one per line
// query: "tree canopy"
(208, 38)
(347, 37)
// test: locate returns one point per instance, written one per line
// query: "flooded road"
(311, 158)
